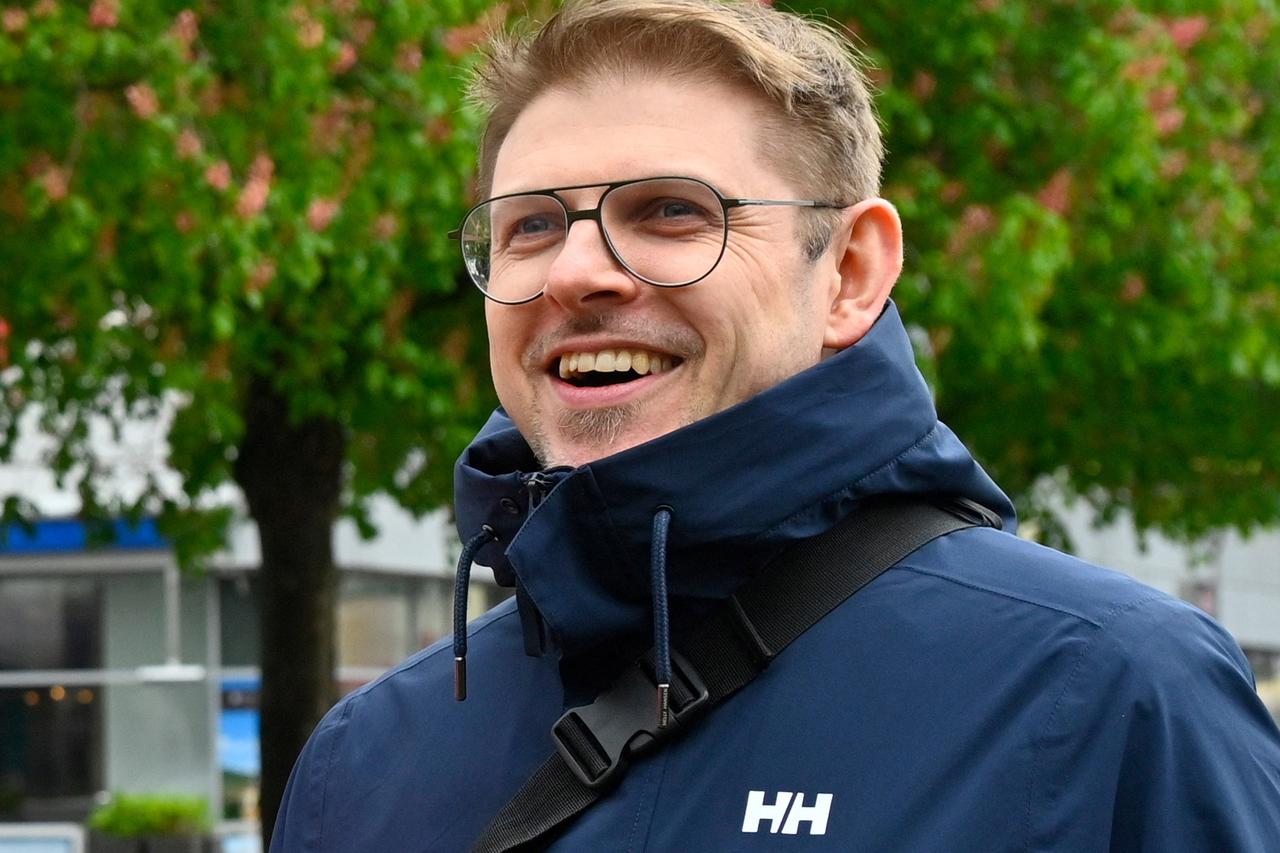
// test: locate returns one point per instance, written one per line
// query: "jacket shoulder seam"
(977, 587)
(343, 719)
(1085, 652)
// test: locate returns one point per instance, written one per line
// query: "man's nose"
(585, 271)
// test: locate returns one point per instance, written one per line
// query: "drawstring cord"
(657, 586)
(661, 614)
(461, 584)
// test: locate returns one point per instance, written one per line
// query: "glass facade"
(51, 747)
(78, 716)
(50, 623)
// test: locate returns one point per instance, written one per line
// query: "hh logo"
(786, 812)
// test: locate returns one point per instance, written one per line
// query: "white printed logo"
(787, 812)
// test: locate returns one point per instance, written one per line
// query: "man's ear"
(867, 251)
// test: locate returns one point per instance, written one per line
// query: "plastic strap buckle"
(598, 740)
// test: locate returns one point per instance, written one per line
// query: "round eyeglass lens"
(508, 244)
(667, 231)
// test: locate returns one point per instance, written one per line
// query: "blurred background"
(238, 356)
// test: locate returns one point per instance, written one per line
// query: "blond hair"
(822, 129)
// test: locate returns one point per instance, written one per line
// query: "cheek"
(505, 350)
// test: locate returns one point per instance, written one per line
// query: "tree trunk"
(291, 475)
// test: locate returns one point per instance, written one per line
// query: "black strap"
(730, 648)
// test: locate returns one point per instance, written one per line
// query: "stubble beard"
(594, 432)
(596, 427)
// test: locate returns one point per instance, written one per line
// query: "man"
(687, 271)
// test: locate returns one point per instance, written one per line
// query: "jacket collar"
(784, 465)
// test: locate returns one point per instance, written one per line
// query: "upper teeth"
(614, 360)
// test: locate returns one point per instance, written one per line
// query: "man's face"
(757, 319)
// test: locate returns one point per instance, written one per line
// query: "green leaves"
(192, 198)
(1090, 195)
(1090, 192)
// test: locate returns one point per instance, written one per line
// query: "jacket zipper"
(538, 484)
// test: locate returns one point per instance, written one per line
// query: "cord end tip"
(460, 678)
(664, 705)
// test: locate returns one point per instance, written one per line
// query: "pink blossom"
(186, 27)
(1133, 288)
(262, 168)
(189, 146)
(310, 34)
(218, 175)
(345, 60)
(253, 198)
(1056, 194)
(263, 273)
(1146, 67)
(142, 98)
(1169, 121)
(321, 212)
(184, 221)
(14, 19)
(975, 220)
(45, 9)
(459, 40)
(104, 14)
(1174, 164)
(56, 182)
(1185, 32)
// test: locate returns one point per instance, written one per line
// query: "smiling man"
(711, 320)
(705, 387)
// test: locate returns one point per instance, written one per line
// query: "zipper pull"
(539, 484)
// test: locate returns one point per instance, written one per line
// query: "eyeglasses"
(666, 231)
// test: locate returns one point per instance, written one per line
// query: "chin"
(595, 434)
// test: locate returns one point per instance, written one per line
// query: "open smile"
(593, 369)
(608, 376)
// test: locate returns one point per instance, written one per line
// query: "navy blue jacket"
(987, 694)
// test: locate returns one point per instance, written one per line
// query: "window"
(50, 623)
(50, 734)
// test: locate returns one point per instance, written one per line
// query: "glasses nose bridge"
(590, 214)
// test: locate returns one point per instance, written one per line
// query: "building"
(120, 673)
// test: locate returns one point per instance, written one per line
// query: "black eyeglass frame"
(593, 214)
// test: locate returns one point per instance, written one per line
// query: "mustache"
(676, 340)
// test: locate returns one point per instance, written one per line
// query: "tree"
(1090, 192)
(239, 210)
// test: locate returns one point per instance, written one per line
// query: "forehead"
(637, 127)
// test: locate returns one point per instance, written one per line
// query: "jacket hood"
(786, 464)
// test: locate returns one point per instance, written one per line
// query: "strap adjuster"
(598, 740)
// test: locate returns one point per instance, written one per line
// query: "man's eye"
(534, 229)
(532, 225)
(671, 213)
(675, 209)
